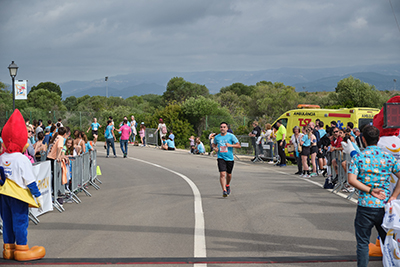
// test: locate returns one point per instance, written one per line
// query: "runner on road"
(223, 144)
(95, 130)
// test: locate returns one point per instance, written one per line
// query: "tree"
(179, 90)
(351, 92)
(196, 109)
(272, 100)
(239, 89)
(49, 86)
(70, 103)
(45, 100)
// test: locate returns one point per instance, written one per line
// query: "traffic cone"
(98, 171)
(375, 249)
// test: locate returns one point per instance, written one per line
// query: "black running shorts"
(225, 166)
(314, 149)
(95, 132)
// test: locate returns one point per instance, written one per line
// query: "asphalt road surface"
(166, 207)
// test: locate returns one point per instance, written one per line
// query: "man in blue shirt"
(223, 145)
(370, 172)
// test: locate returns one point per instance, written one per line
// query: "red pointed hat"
(14, 134)
(378, 121)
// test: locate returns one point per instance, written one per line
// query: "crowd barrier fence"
(82, 172)
(151, 137)
(269, 151)
(341, 157)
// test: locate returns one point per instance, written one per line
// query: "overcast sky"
(59, 41)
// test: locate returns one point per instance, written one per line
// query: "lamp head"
(13, 69)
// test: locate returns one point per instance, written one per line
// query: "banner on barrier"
(42, 173)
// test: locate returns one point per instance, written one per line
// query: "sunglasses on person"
(336, 131)
(30, 131)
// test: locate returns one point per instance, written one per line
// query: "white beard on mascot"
(389, 142)
(18, 190)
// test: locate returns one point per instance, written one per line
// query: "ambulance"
(304, 114)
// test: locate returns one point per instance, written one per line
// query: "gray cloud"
(84, 40)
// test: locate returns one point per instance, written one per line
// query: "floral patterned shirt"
(374, 167)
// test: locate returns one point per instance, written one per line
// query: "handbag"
(299, 147)
(290, 148)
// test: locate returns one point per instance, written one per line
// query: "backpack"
(163, 129)
(328, 184)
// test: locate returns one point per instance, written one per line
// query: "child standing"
(192, 144)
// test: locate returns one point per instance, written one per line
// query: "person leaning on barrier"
(370, 172)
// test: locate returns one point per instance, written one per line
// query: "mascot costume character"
(17, 191)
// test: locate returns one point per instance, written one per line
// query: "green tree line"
(188, 108)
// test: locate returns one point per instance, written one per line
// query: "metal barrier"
(340, 157)
(246, 146)
(151, 137)
(269, 150)
(83, 171)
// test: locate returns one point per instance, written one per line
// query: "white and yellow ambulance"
(304, 114)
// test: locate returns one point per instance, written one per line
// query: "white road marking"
(199, 227)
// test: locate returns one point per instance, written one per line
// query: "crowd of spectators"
(314, 146)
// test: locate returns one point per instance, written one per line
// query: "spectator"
(269, 141)
(88, 146)
(126, 132)
(79, 143)
(359, 141)
(167, 144)
(199, 149)
(39, 129)
(336, 146)
(229, 129)
(280, 140)
(254, 134)
(59, 121)
(49, 124)
(314, 148)
(30, 151)
(171, 136)
(162, 128)
(40, 147)
(110, 138)
(192, 144)
(142, 133)
(306, 149)
(134, 131)
(69, 149)
(333, 124)
(46, 138)
(211, 139)
(296, 141)
(350, 126)
(373, 181)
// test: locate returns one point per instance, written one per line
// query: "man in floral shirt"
(370, 172)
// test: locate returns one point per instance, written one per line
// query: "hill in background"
(311, 80)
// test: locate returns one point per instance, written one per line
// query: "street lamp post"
(13, 72)
(394, 80)
(106, 79)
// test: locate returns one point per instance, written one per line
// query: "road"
(166, 207)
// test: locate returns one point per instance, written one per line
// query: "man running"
(95, 130)
(223, 144)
